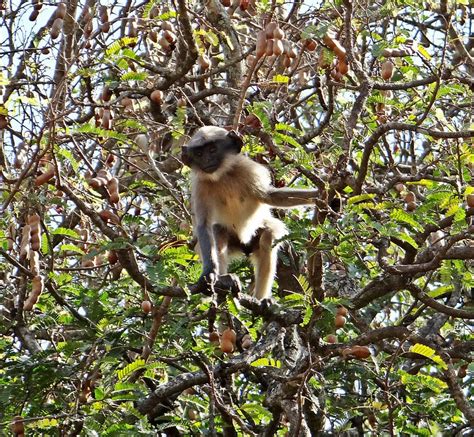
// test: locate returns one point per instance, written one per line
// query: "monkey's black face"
(208, 148)
(207, 157)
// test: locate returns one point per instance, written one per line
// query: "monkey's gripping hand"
(205, 283)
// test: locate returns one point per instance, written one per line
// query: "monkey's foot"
(224, 284)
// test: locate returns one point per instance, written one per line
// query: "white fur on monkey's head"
(207, 134)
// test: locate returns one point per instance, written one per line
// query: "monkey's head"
(209, 147)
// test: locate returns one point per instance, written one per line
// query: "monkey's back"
(235, 195)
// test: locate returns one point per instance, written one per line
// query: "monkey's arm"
(207, 250)
(289, 197)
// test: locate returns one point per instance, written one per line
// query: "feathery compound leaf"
(427, 352)
(132, 367)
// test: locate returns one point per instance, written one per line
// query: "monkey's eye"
(198, 153)
(212, 149)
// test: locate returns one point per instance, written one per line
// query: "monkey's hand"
(205, 283)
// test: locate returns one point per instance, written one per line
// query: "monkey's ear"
(237, 141)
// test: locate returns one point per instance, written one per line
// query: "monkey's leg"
(264, 259)
(221, 237)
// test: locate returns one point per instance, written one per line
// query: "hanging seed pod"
(37, 4)
(277, 47)
(46, 176)
(106, 93)
(164, 43)
(113, 188)
(226, 3)
(203, 61)
(153, 36)
(269, 29)
(169, 36)
(157, 97)
(34, 15)
(278, 33)
(56, 28)
(61, 10)
(25, 241)
(261, 45)
(166, 25)
(286, 61)
(244, 5)
(132, 28)
(386, 70)
(34, 262)
(310, 44)
(269, 49)
(103, 14)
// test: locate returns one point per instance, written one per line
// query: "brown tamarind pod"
(331, 338)
(386, 70)
(37, 285)
(214, 337)
(45, 177)
(269, 49)
(25, 241)
(18, 426)
(470, 200)
(244, 5)
(34, 15)
(112, 257)
(226, 3)
(107, 119)
(261, 45)
(204, 61)
(342, 66)
(269, 29)
(33, 219)
(34, 262)
(106, 93)
(411, 206)
(310, 44)
(35, 237)
(166, 25)
(246, 341)
(226, 346)
(292, 53)
(229, 335)
(409, 197)
(360, 352)
(109, 216)
(278, 33)
(113, 187)
(277, 47)
(157, 97)
(153, 36)
(61, 10)
(342, 311)
(56, 28)
(286, 61)
(339, 321)
(169, 36)
(146, 306)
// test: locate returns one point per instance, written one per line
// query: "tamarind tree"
(370, 328)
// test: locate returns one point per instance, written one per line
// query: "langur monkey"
(231, 200)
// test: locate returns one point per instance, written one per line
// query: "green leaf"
(71, 248)
(440, 291)
(360, 198)
(266, 362)
(427, 352)
(132, 75)
(132, 367)
(279, 78)
(66, 232)
(422, 51)
(403, 217)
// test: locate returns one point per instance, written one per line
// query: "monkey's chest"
(242, 215)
